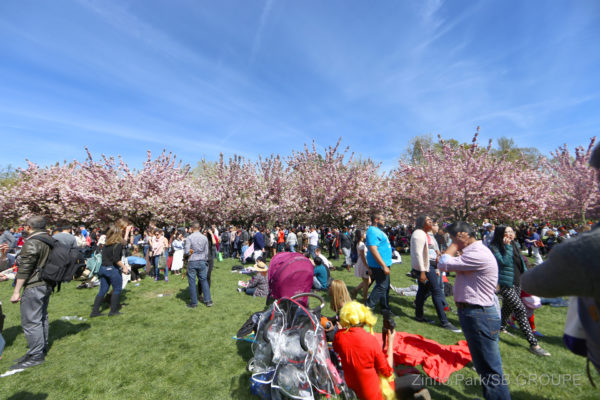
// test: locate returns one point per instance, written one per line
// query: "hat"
(261, 266)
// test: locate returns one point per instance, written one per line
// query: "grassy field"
(159, 349)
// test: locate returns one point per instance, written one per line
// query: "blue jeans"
(431, 286)
(480, 326)
(292, 248)
(2, 344)
(316, 284)
(381, 290)
(311, 250)
(251, 291)
(198, 269)
(110, 276)
(156, 263)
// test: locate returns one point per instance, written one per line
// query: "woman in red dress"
(363, 360)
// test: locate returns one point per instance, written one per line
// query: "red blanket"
(439, 361)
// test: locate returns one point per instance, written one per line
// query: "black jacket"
(33, 256)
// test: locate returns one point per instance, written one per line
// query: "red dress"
(362, 361)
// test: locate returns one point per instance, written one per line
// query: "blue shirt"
(376, 237)
(259, 241)
(321, 275)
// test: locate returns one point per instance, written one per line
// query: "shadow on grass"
(240, 385)
(58, 330)
(184, 295)
(28, 396)
(525, 396)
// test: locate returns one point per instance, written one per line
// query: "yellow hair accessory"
(386, 387)
(356, 314)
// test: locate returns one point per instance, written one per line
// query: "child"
(258, 286)
(338, 296)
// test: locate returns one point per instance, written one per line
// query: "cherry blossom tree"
(468, 182)
(335, 188)
(574, 188)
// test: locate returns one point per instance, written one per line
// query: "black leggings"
(512, 304)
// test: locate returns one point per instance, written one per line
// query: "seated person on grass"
(320, 275)
(258, 286)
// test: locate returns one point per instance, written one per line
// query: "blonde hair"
(338, 293)
(114, 235)
(356, 314)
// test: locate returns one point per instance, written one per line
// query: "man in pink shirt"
(475, 295)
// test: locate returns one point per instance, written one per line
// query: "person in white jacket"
(424, 266)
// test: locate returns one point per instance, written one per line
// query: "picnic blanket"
(439, 361)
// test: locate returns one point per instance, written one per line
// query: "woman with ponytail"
(366, 369)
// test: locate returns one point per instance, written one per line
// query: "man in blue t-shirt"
(379, 258)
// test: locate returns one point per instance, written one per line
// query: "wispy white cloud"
(256, 43)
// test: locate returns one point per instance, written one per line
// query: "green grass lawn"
(159, 349)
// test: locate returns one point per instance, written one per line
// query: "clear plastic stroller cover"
(291, 341)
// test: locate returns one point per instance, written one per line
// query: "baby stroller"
(291, 359)
(290, 274)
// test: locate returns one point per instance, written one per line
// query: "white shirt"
(326, 262)
(313, 238)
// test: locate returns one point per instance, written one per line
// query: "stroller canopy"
(290, 274)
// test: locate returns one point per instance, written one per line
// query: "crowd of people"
(488, 261)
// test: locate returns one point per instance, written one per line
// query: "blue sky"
(266, 76)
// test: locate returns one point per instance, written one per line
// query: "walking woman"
(111, 269)
(361, 268)
(510, 268)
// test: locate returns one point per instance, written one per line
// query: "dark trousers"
(225, 250)
(432, 286)
(135, 272)
(381, 291)
(34, 319)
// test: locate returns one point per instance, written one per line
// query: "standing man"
(225, 240)
(196, 245)
(280, 240)
(336, 243)
(36, 293)
(65, 238)
(292, 240)
(313, 241)
(475, 296)
(379, 259)
(346, 245)
(424, 264)
(259, 243)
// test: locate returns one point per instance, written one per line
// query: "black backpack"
(62, 263)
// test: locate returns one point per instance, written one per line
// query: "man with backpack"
(36, 293)
(225, 240)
